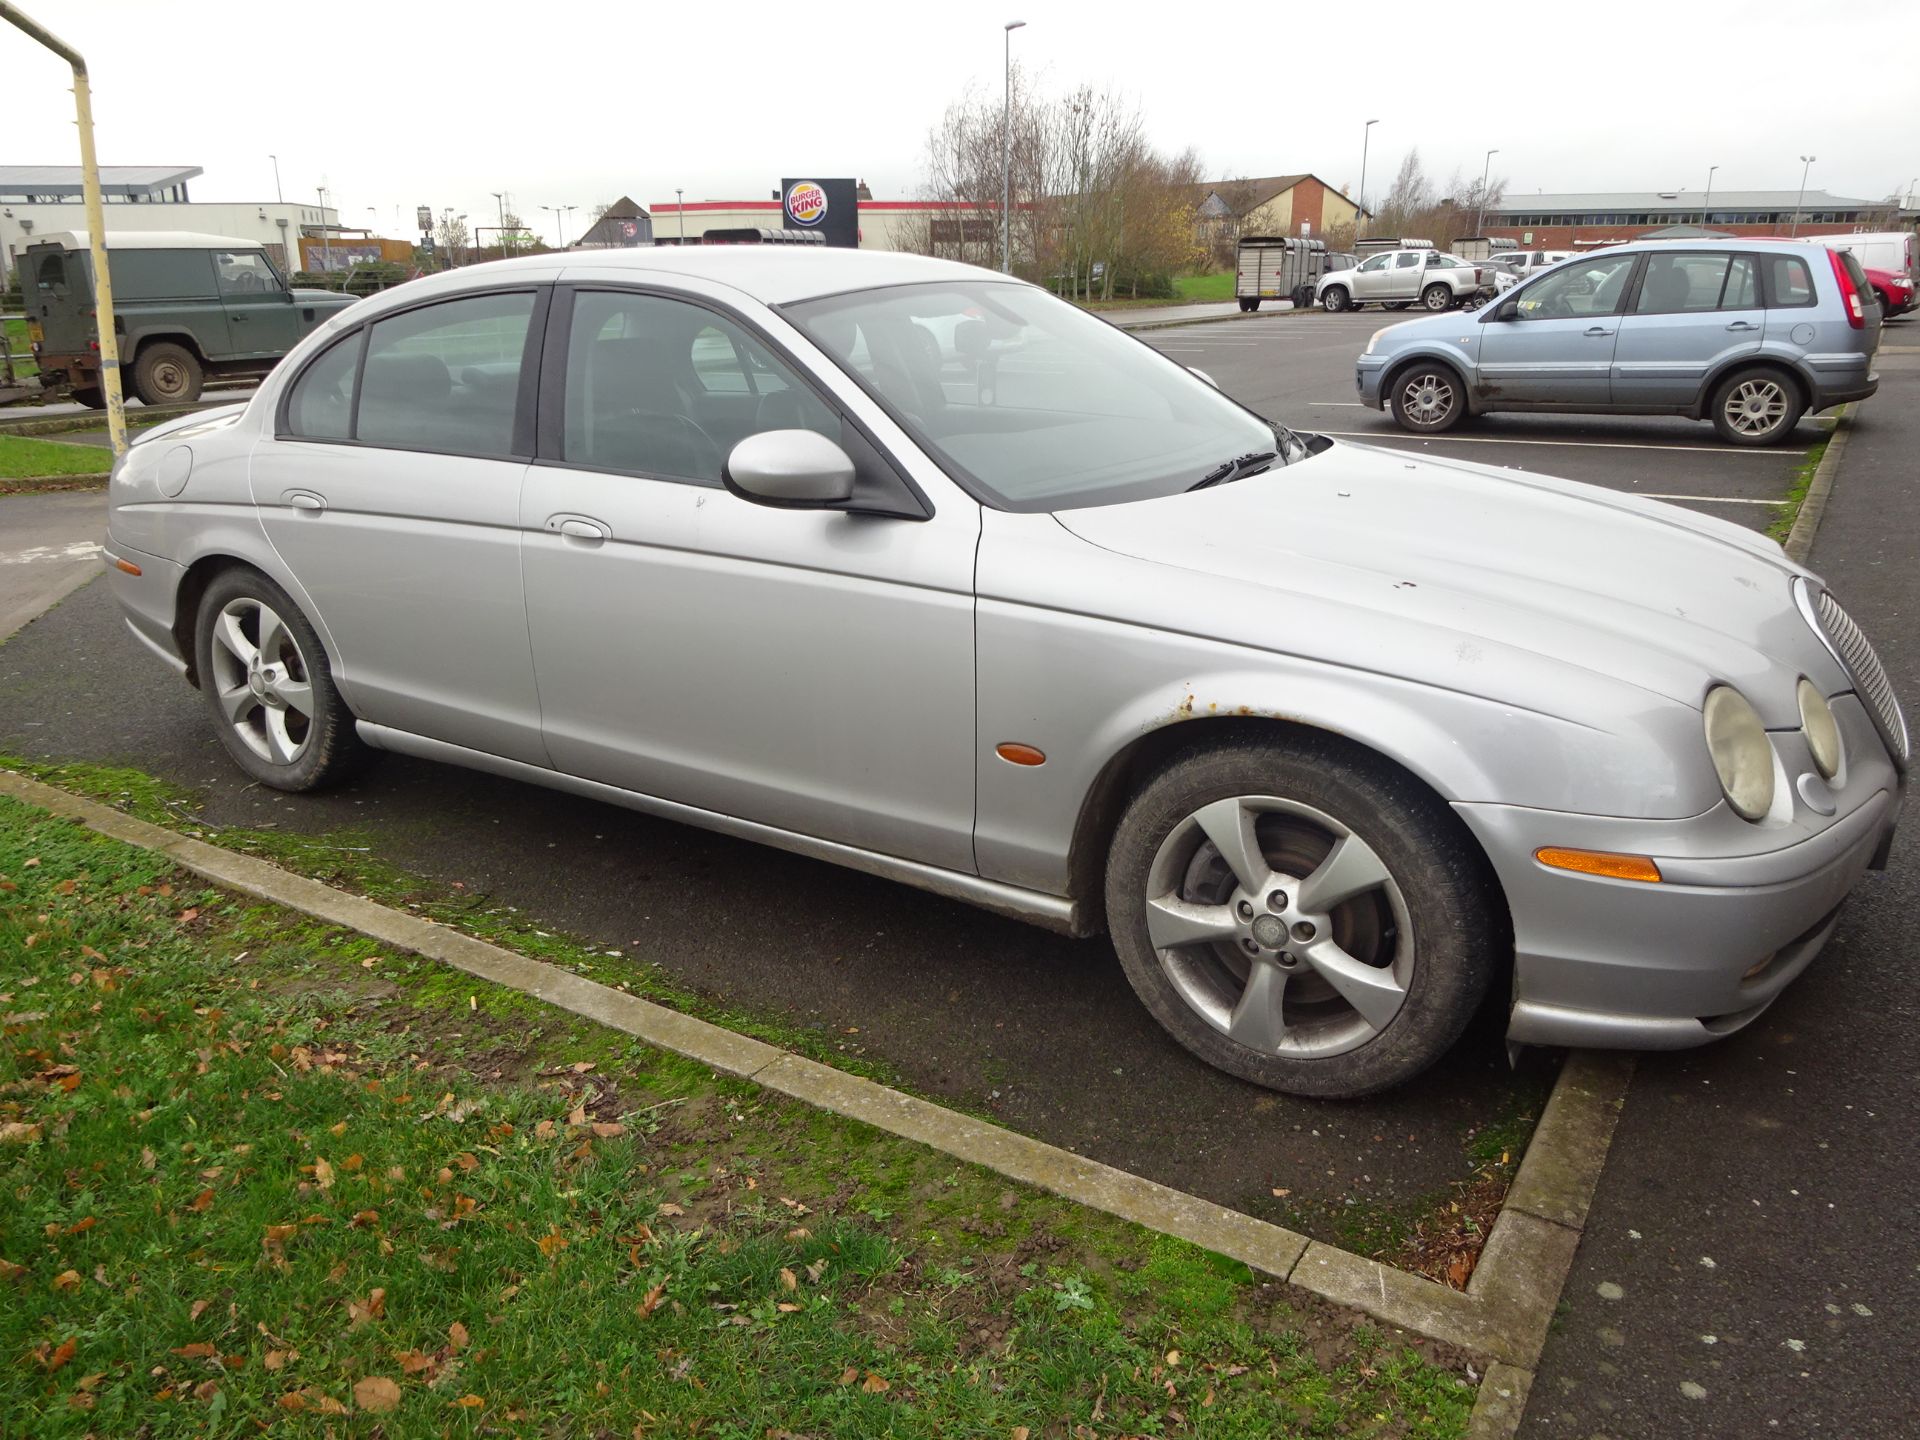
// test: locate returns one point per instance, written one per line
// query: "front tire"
(1437, 297)
(1427, 398)
(166, 374)
(1756, 406)
(1302, 915)
(1335, 298)
(269, 686)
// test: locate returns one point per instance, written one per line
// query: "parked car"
(1330, 740)
(1399, 278)
(1530, 262)
(1892, 289)
(186, 307)
(1749, 334)
(1505, 274)
(1894, 250)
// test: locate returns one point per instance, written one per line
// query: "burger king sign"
(806, 202)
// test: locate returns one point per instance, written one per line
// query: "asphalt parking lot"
(1299, 370)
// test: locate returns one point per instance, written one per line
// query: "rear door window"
(162, 274)
(446, 377)
(1678, 284)
(51, 276)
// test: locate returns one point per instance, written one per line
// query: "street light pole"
(1806, 164)
(680, 208)
(1706, 209)
(326, 242)
(1480, 220)
(282, 199)
(96, 222)
(1006, 150)
(1366, 134)
(500, 204)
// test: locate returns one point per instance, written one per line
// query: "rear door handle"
(305, 500)
(1743, 325)
(579, 527)
(1596, 330)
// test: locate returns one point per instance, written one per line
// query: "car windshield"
(1029, 402)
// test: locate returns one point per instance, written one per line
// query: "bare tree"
(451, 235)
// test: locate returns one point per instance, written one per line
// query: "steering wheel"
(248, 282)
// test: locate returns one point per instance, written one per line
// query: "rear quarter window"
(1789, 281)
(162, 274)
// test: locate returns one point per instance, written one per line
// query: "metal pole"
(1706, 208)
(326, 242)
(680, 205)
(1480, 220)
(1806, 165)
(278, 197)
(1360, 220)
(96, 223)
(1006, 151)
(500, 204)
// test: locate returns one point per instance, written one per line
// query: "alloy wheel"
(1280, 927)
(1427, 398)
(1756, 407)
(263, 681)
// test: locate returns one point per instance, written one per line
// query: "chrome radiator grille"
(1856, 652)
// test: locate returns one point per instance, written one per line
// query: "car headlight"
(1737, 741)
(1823, 731)
(1374, 339)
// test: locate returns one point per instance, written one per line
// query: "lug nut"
(1250, 947)
(1277, 900)
(1303, 931)
(1246, 910)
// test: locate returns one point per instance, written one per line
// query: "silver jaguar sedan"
(912, 567)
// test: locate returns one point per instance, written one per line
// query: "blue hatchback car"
(1750, 334)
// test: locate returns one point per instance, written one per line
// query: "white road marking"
(39, 554)
(1706, 499)
(1384, 437)
(1338, 404)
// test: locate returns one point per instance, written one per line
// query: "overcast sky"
(576, 101)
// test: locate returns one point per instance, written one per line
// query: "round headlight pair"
(1742, 756)
(1822, 730)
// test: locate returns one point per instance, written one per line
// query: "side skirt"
(1051, 912)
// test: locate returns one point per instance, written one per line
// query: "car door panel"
(411, 555)
(1664, 353)
(1556, 351)
(810, 670)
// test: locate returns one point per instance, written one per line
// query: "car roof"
(148, 240)
(773, 274)
(1766, 246)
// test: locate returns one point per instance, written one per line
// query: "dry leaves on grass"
(376, 1394)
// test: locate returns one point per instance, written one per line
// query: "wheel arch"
(1400, 365)
(230, 552)
(185, 339)
(1703, 401)
(1128, 768)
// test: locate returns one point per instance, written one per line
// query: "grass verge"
(1789, 508)
(261, 1173)
(22, 348)
(22, 456)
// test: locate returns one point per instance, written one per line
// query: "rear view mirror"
(791, 469)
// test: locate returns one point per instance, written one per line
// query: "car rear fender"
(1771, 357)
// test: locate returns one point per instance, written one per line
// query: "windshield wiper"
(1290, 440)
(1249, 464)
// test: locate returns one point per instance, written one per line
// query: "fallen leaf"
(67, 1280)
(197, 1309)
(202, 1202)
(198, 1350)
(607, 1129)
(413, 1362)
(873, 1384)
(374, 1307)
(849, 1375)
(51, 1360)
(788, 1280)
(1282, 1192)
(457, 1335)
(323, 1173)
(552, 1242)
(376, 1394)
(1020, 1432)
(786, 1307)
(274, 1359)
(147, 1158)
(652, 1301)
(670, 1209)
(470, 1402)
(18, 1132)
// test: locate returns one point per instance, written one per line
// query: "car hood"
(1432, 569)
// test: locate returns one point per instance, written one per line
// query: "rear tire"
(91, 396)
(269, 686)
(1437, 297)
(1756, 406)
(1359, 953)
(1335, 298)
(1427, 397)
(166, 374)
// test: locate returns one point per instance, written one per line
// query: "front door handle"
(579, 527)
(1597, 331)
(1743, 325)
(235, 318)
(305, 500)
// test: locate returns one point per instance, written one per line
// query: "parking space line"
(1757, 452)
(1706, 499)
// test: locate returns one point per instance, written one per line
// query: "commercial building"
(38, 199)
(1582, 220)
(917, 225)
(621, 226)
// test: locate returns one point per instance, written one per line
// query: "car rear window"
(446, 377)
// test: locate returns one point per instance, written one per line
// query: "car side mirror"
(789, 469)
(1505, 310)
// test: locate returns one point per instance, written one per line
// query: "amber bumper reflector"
(1015, 753)
(126, 565)
(1600, 862)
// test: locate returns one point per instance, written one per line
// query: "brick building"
(1581, 221)
(1275, 205)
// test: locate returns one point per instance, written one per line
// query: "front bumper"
(1624, 965)
(1367, 372)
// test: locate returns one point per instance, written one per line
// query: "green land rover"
(185, 307)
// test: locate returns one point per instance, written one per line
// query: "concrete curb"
(1806, 524)
(1502, 1317)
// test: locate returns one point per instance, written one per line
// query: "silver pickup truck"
(1399, 278)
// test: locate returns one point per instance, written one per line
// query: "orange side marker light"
(1600, 862)
(1014, 753)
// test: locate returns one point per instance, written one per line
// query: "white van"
(1893, 250)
